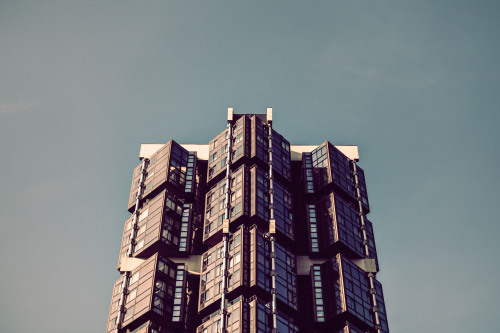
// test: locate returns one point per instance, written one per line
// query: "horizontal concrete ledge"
(304, 264)
(148, 149)
(193, 263)
(128, 264)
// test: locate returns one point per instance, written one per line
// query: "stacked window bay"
(346, 295)
(156, 293)
(248, 234)
(245, 205)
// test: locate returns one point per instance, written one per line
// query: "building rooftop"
(148, 149)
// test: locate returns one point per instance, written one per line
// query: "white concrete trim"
(148, 149)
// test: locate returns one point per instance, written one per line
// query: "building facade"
(248, 234)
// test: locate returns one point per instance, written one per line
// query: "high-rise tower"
(248, 234)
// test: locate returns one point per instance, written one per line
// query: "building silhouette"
(248, 234)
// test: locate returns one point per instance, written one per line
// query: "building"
(248, 234)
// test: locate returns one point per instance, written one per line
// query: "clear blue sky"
(414, 84)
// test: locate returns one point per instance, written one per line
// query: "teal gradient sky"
(415, 84)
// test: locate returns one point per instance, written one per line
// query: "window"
(163, 267)
(209, 198)
(222, 203)
(206, 277)
(134, 278)
(206, 295)
(239, 137)
(219, 252)
(118, 288)
(211, 171)
(207, 260)
(237, 258)
(131, 295)
(237, 240)
(218, 270)
(151, 173)
(217, 288)
(235, 195)
(138, 170)
(220, 219)
(141, 230)
(139, 245)
(209, 227)
(236, 314)
(129, 313)
(215, 327)
(287, 198)
(210, 212)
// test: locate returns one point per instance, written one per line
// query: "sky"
(415, 84)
